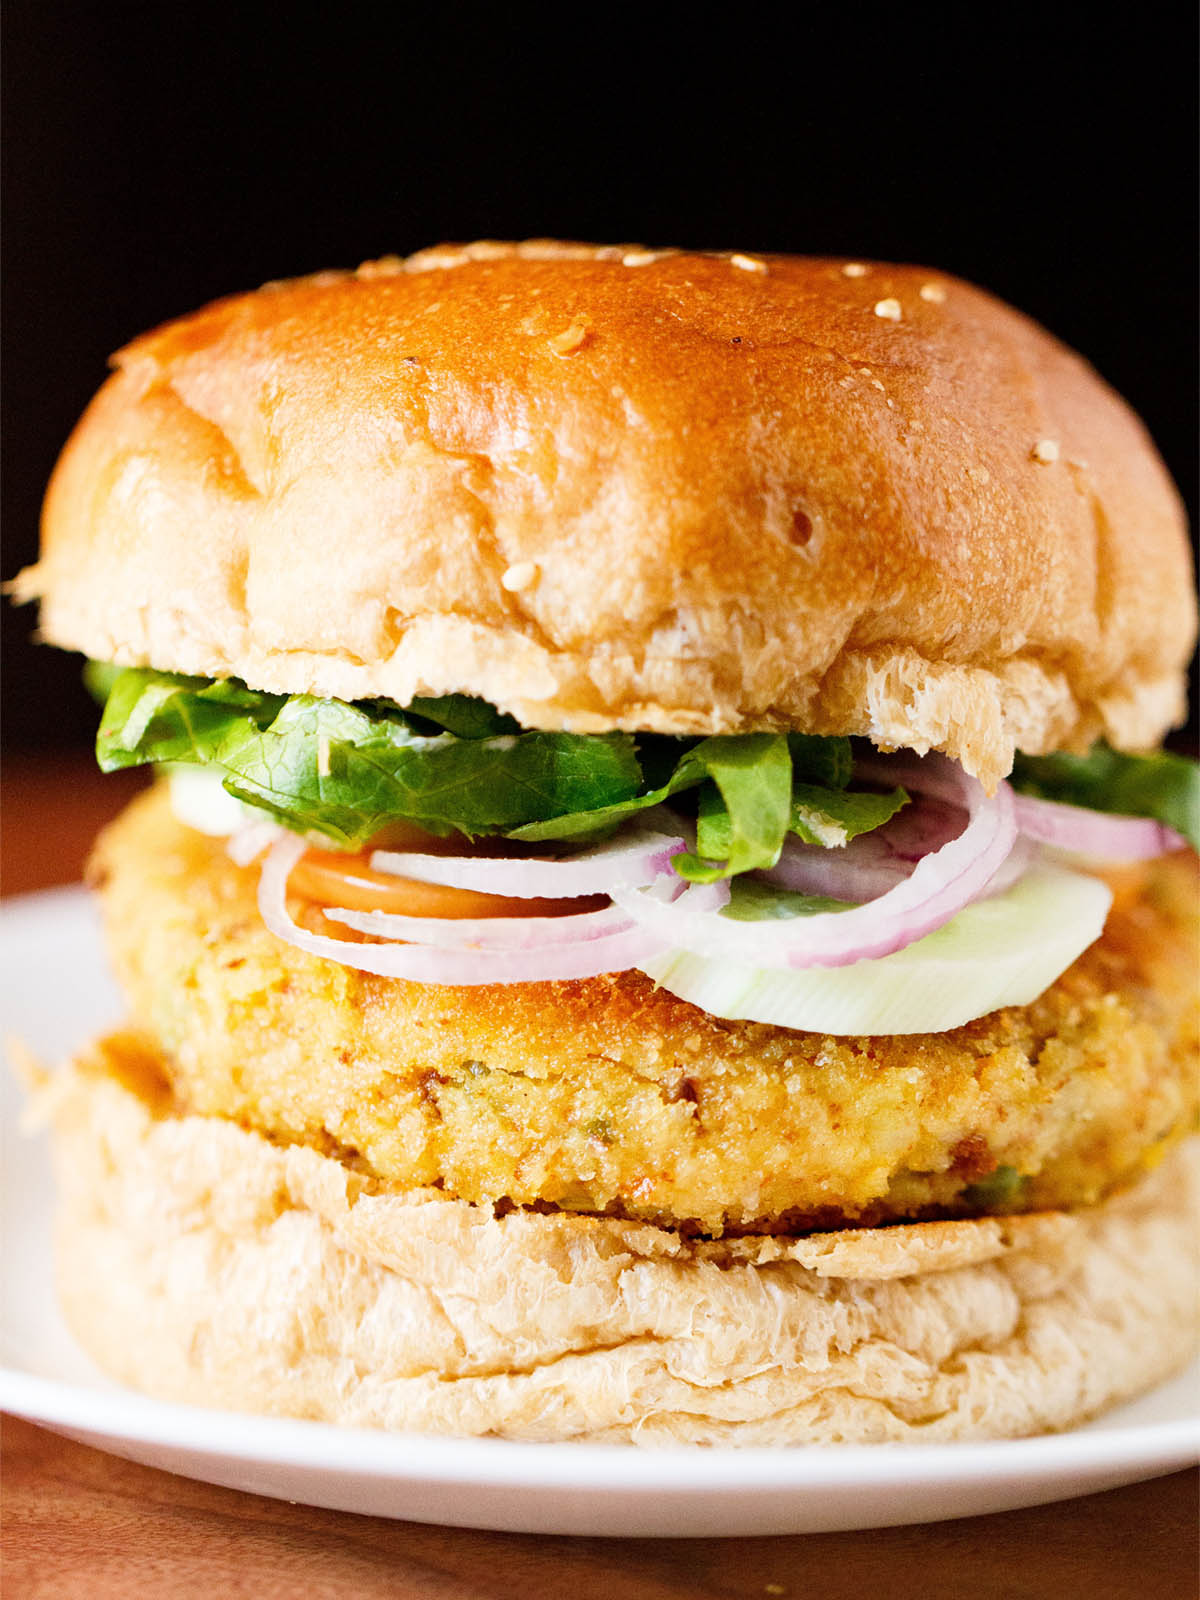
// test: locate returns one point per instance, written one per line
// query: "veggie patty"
(606, 1095)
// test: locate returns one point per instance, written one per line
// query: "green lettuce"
(828, 817)
(753, 900)
(750, 769)
(1163, 785)
(744, 807)
(456, 764)
(347, 770)
(821, 817)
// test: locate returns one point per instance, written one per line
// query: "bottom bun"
(200, 1262)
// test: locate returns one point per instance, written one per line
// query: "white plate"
(55, 993)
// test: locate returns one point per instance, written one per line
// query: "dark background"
(160, 155)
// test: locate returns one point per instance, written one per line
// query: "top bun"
(621, 488)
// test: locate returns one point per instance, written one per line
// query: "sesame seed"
(438, 258)
(889, 310)
(855, 269)
(385, 267)
(638, 258)
(1045, 451)
(520, 576)
(570, 339)
(748, 263)
(933, 292)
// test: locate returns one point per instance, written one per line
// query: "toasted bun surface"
(200, 1262)
(615, 488)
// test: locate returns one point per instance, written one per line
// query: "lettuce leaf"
(604, 819)
(346, 770)
(829, 817)
(1162, 785)
(819, 759)
(832, 818)
(752, 900)
(747, 799)
(160, 716)
(458, 714)
(744, 806)
(99, 677)
(453, 763)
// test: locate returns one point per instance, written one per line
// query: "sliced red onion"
(631, 862)
(491, 933)
(557, 962)
(1020, 858)
(858, 877)
(250, 840)
(700, 897)
(940, 885)
(933, 775)
(875, 862)
(1097, 834)
(925, 824)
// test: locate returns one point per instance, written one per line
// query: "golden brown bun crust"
(200, 1262)
(727, 493)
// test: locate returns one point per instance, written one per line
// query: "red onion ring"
(933, 774)
(940, 884)
(869, 866)
(630, 863)
(809, 869)
(490, 933)
(557, 962)
(250, 840)
(911, 876)
(1018, 862)
(1099, 835)
(875, 862)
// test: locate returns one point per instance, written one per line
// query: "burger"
(663, 917)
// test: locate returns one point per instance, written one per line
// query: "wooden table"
(79, 1523)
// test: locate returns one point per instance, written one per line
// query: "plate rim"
(567, 1465)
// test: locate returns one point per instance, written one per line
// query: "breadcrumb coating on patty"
(608, 1096)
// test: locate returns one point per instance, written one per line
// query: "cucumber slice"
(999, 952)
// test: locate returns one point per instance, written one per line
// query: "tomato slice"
(327, 878)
